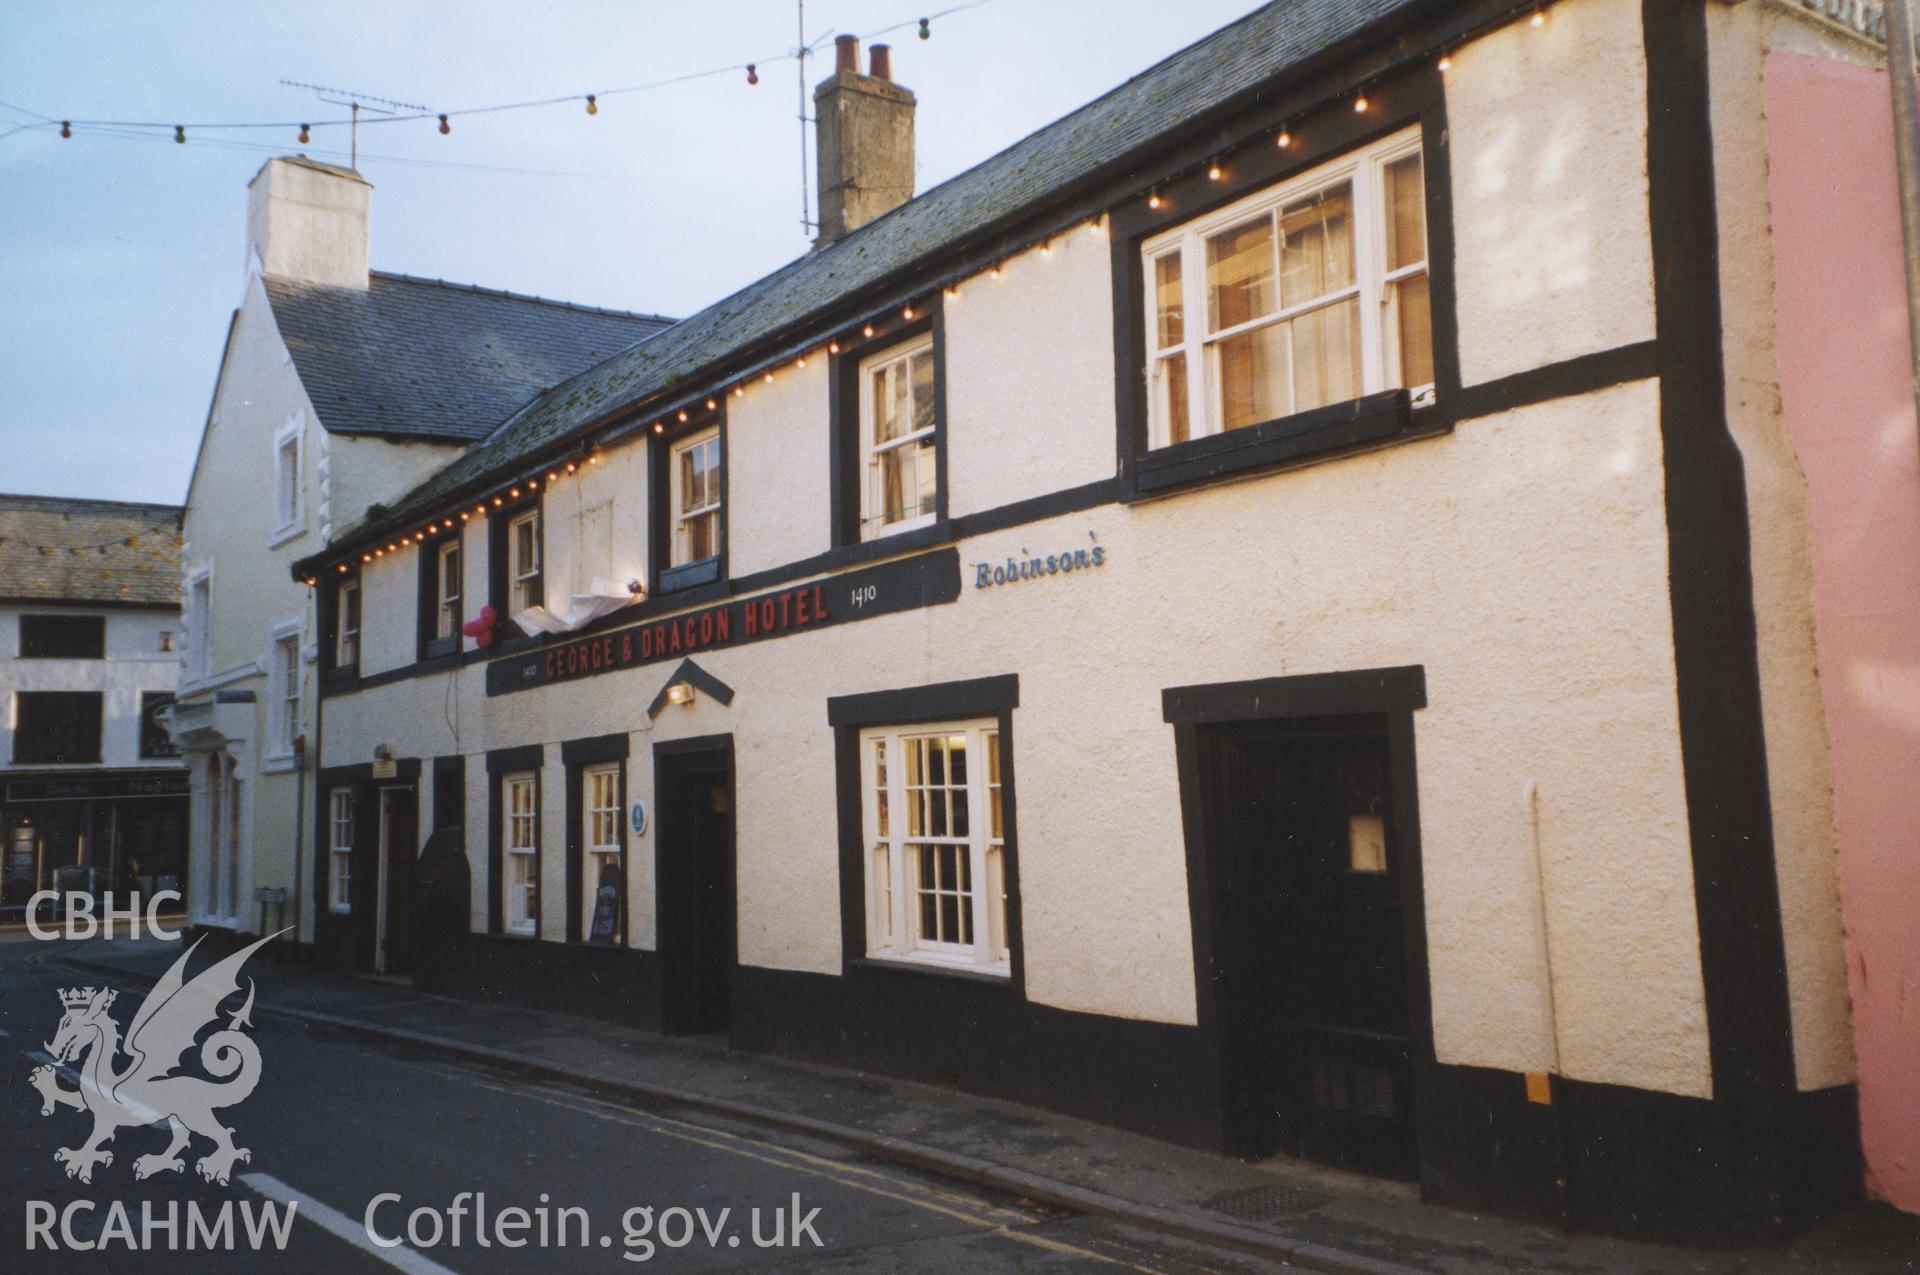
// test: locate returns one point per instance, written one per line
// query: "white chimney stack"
(308, 221)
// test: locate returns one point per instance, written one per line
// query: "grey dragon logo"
(149, 1089)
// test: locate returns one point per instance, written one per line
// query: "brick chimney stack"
(864, 132)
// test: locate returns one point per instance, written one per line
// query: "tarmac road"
(336, 1124)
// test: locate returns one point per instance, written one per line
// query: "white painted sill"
(278, 763)
(280, 535)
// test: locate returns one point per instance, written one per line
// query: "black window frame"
(499, 591)
(1185, 190)
(427, 645)
(31, 648)
(327, 605)
(665, 578)
(54, 755)
(846, 473)
(982, 697)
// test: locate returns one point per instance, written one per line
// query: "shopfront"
(103, 833)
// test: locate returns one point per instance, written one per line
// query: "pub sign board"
(905, 584)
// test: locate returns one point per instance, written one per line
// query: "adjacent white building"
(93, 797)
(341, 387)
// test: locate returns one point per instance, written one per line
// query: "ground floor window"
(936, 870)
(602, 882)
(520, 906)
(340, 850)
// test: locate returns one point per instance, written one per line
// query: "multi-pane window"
(446, 575)
(199, 624)
(286, 685)
(63, 637)
(286, 457)
(899, 447)
(340, 850)
(523, 561)
(346, 636)
(1309, 293)
(695, 498)
(520, 846)
(936, 858)
(600, 822)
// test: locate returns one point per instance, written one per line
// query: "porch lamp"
(680, 693)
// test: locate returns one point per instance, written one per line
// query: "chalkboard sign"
(606, 906)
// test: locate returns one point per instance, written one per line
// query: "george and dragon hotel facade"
(1279, 612)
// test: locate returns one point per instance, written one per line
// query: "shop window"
(523, 562)
(936, 871)
(56, 727)
(340, 850)
(520, 846)
(1310, 293)
(346, 623)
(155, 740)
(63, 637)
(899, 440)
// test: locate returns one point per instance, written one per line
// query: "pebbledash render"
(1284, 611)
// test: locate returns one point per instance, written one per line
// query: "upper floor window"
(523, 562)
(63, 637)
(446, 578)
(1309, 293)
(346, 623)
(285, 680)
(899, 443)
(286, 469)
(935, 833)
(56, 727)
(199, 624)
(694, 496)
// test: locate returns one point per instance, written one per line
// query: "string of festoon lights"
(590, 101)
(701, 408)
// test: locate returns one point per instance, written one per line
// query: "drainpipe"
(1906, 155)
(1530, 798)
(299, 831)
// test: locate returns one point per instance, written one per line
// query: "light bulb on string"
(593, 104)
(1445, 63)
(445, 127)
(180, 134)
(753, 74)
(926, 28)
(1539, 17)
(1214, 173)
(1285, 139)
(1360, 103)
(305, 135)
(1154, 201)
(66, 129)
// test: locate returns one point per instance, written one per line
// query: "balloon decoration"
(481, 628)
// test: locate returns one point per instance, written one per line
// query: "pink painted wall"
(1847, 391)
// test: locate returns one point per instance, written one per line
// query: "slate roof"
(58, 550)
(1092, 143)
(423, 358)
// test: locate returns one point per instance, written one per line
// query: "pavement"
(1274, 1212)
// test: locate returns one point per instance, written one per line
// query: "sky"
(122, 258)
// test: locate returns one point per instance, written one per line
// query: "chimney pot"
(880, 61)
(846, 53)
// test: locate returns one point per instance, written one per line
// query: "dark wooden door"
(401, 821)
(696, 873)
(1313, 954)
